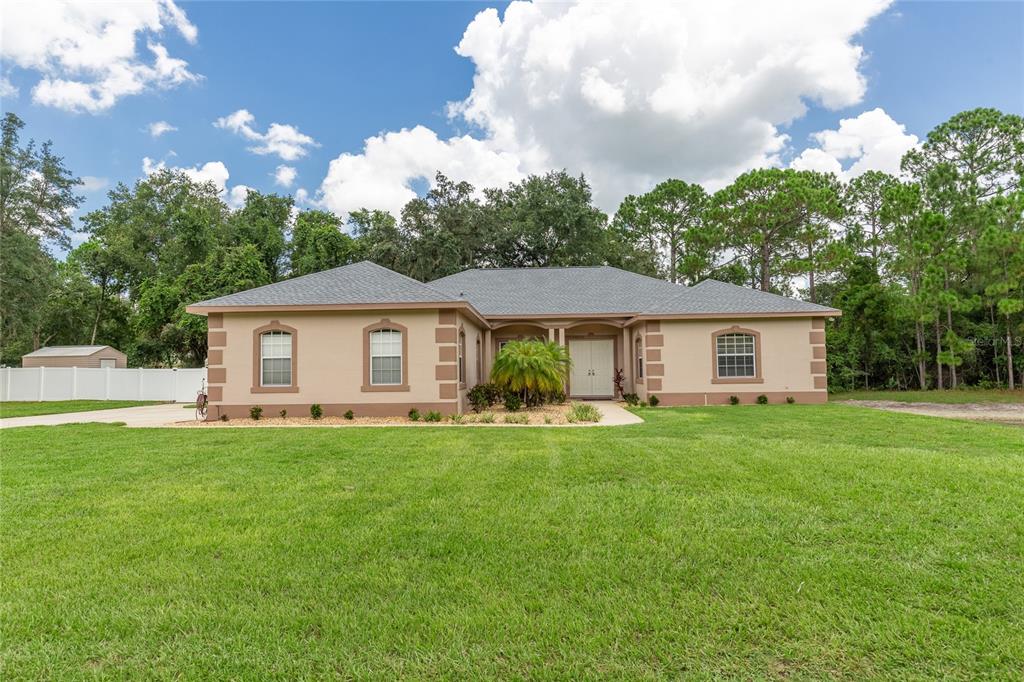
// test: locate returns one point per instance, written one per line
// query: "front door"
(593, 364)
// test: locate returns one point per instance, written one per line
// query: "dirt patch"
(548, 415)
(1005, 413)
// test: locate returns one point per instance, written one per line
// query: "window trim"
(736, 329)
(638, 359)
(257, 357)
(383, 324)
(460, 357)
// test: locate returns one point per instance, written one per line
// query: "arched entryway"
(596, 354)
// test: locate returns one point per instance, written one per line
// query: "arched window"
(462, 357)
(276, 358)
(385, 357)
(736, 355)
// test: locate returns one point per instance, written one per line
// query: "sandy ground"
(1007, 413)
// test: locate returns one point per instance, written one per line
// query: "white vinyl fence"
(108, 383)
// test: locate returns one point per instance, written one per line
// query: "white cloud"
(7, 89)
(86, 52)
(628, 94)
(872, 141)
(158, 128)
(285, 175)
(301, 196)
(91, 183)
(212, 171)
(283, 140)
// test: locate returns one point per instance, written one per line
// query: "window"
(107, 362)
(735, 353)
(385, 357)
(275, 359)
(639, 358)
(462, 357)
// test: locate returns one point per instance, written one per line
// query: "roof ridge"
(425, 285)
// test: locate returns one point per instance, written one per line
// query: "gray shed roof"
(66, 351)
(359, 283)
(556, 291)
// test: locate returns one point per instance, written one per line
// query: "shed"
(75, 356)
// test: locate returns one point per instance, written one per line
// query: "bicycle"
(202, 402)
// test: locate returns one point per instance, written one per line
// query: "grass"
(33, 408)
(752, 542)
(958, 396)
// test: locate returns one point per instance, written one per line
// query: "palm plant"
(533, 369)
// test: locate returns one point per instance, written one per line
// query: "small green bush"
(547, 419)
(513, 403)
(486, 418)
(762, 399)
(414, 415)
(583, 412)
(432, 416)
(556, 397)
(315, 411)
(653, 400)
(734, 400)
(456, 418)
(631, 399)
(349, 414)
(517, 419)
(283, 414)
(255, 412)
(790, 399)
(223, 417)
(482, 396)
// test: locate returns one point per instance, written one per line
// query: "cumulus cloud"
(91, 183)
(86, 52)
(158, 128)
(285, 175)
(7, 89)
(627, 94)
(212, 171)
(871, 141)
(283, 140)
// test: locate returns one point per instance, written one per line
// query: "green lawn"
(32, 408)
(751, 542)
(969, 395)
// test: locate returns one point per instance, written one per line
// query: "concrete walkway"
(147, 415)
(614, 414)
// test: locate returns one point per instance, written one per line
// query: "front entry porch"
(593, 367)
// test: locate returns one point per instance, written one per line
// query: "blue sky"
(344, 72)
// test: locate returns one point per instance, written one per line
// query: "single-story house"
(75, 356)
(364, 338)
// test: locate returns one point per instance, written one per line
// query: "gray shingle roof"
(64, 351)
(556, 291)
(359, 283)
(712, 296)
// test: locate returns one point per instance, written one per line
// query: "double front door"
(593, 366)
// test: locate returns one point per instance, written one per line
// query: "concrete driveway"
(147, 415)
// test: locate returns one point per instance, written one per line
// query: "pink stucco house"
(364, 338)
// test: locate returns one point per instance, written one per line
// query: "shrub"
(283, 414)
(223, 417)
(547, 419)
(790, 399)
(315, 411)
(414, 415)
(432, 416)
(456, 418)
(349, 414)
(734, 400)
(255, 412)
(583, 412)
(631, 399)
(653, 400)
(513, 403)
(483, 395)
(516, 419)
(556, 397)
(619, 378)
(486, 418)
(533, 369)
(762, 399)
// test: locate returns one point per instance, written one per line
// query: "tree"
(1001, 249)
(263, 223)
(26, 277)
(543, 221)
(670, 221)
(37, 192)
(319, 244)
(532, 368)
(862, 198)
(379, 240)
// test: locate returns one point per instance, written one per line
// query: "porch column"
(488, 359)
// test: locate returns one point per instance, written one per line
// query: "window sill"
(274, 389)
(396, 388)
(738, 380)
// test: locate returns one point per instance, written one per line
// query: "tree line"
(928, 267)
